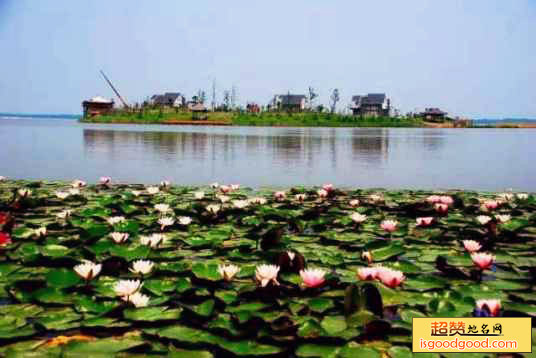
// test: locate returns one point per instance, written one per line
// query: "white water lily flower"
(506, 196)
(119, 237)
(153, 241)
(166, 221)
(354, 202)
(64, 214)
(136, 192)
(240, 204)
(228, 271)
(138, 299)
(2, 178)
(163, 208)
(105, 180)
(115, 220)
(153, 190)
(503, 218)
(40, 232)
(142, 267)
(265, 274)
(322, 193)
(24, 192)
(61, 194)
(213, 209)
(87, 270)
(165, 183)
(74, 191)
(358, 218)
(78, 183)
(235, 186)
(300, 197)
(223, 198)
(199, 195)
(127, 287)
(214, 185)
(375, 198)
(483, 219)
(291, 255)
(185, 220)
(522, 196)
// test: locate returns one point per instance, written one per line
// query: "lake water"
(483, 159)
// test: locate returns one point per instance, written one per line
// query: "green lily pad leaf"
(189, 354)
(52, 295)
(130, 253)
(386, 252)
(160, 287)
(62, 278)
(353, 350)
(333, 324)
(55, 251)
(206, 271)
(204, 309)
(102, 346)
(315, 350)
(152, 314)
(226, 296)
(425, 282)
(320, 304)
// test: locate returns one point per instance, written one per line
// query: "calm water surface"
(484, 159)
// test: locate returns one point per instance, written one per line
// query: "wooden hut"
(97, 106)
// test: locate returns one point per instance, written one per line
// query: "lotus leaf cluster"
(222, 270)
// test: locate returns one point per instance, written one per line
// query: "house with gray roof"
(169, 99)
(289, 102)
(371, 105)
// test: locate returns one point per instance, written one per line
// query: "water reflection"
(361, 157)
(290, 147)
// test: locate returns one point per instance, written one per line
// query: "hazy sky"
(472, 57)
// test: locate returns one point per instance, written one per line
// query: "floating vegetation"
(222, 271)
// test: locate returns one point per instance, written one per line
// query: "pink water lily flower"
(280, 195)
(483, 260)
(391, 278)
(313, 277)
(389, 225)
(366, 273)
(493, 306)
(447, 200)
(426, 221)
(491, 204)
(433, 199)
(327, 187)
(441, 208)
(225, 189)
(105, 180)
(471, 245)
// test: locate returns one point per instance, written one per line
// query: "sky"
(472, 58)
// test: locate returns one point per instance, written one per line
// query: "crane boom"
(115, 91)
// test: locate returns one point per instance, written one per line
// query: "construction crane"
(115, 91)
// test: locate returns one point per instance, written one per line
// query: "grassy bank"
(264, 119)
(181, 303)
